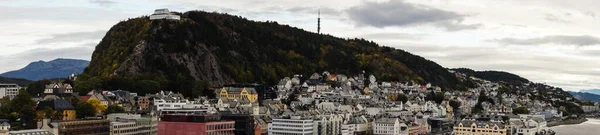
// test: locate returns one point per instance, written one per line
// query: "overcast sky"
(551, 41)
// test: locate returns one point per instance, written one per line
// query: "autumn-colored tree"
(97, 104)
(85, 109)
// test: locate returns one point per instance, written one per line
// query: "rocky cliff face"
(221, 49)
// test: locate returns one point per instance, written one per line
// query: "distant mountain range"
(593, 91)
(58, 68)
(584, 95)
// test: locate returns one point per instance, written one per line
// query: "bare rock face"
(201, 64)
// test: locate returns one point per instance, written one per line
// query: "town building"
(76, 127)
(472, 126)
(195, 124)
(297, 125)
(590, 108)
(164, 14)
(244, 123)
(143, 103)
(10, 90)
(63, 109)
(389, 126)
(132, 124)
(58, 88)
(239, 93)
(28, 132)
(169, 100)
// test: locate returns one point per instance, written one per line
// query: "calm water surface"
(590, 127)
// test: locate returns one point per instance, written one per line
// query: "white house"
(389, 126)
(163, 14)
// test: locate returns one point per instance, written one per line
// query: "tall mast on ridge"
(319, 23)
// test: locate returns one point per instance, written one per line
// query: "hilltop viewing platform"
(164, 14)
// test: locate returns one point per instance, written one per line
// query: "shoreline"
(567, 122)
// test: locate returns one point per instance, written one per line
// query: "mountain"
(58, 68)
(584, 96)
(218, 49)
(592, 91)
(20, 82)
(495, 76)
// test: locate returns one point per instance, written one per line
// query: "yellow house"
(239, 93)
(62, 109)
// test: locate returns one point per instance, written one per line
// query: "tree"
(455, 104)
(37, 87)
(521, 110)
(477, 109)
(84, 109)
(23, 105)
(97, 104)
(5, 107)
(401, 97)
(49, 113)
(114, 109)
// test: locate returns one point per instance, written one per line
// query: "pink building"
(192, 128)
(194, 124)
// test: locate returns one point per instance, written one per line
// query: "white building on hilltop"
(163, 14)
(10, 90)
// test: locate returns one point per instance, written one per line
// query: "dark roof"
(56, 104)
(238, 90)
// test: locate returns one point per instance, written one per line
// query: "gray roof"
(4, 124)
(56, 104)
(238, 90)
(386, 120)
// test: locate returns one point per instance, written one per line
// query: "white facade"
(163, 14)
(295, 125)
(10, 90)
(130, 124)
(386, 126)
(588, 109)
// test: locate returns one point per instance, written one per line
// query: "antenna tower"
(319, 23)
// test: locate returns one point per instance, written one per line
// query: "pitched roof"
(238, 90)
(84, 97)
(386, 120)
(56, 104)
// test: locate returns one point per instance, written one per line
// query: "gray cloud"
(103, 2)
(324, 10)
(583, 40)
(457, 26)
(73, 37)
(592, 53)
(590, 14)
(402, 14)
(554, 18)
(392, 36)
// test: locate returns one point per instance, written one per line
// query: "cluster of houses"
(322, 104)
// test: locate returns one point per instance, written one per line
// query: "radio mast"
(319, 22)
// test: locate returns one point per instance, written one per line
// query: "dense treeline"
(20, 82)
(495, 76)
(245, 52)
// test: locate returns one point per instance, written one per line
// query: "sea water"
(590, 127)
